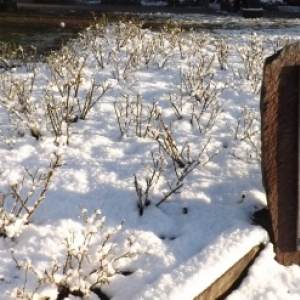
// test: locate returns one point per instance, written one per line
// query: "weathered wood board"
(280, 150)
(224, 285)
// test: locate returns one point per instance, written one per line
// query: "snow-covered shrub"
(92, 257)
(10, 56)
(181, 165)
(11, 225)
(146, 183)
(222, 52)
(199, 84)
(17, 97)
(24, 196)
(71, 93)
(8, 137)
(280, 42)
(166, 141)
(252, 55)
(247, 132)
(134, 117)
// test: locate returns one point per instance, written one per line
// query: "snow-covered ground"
(149, 195)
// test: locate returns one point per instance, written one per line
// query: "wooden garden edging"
(231, 278)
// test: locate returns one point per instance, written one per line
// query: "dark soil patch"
(262, 218)
(42, 32)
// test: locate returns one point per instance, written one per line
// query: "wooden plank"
(231, 278)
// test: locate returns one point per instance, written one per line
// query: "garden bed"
(121, 141)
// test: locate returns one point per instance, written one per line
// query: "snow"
(272, 281)
(89, 231)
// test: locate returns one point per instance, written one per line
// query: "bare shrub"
(247, 130)
(222, 52)
(134, 117)
(23, 198)
(19, 101)
(252, 55)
